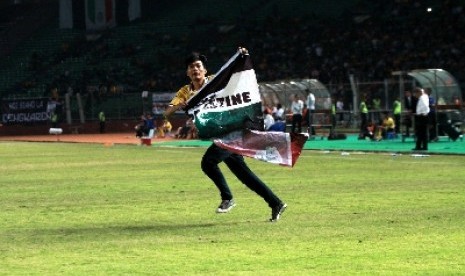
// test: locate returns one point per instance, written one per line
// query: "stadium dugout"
(276, 92)
(447, 94)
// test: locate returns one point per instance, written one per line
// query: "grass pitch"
(78, 209)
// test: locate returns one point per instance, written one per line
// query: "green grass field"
(74, 209)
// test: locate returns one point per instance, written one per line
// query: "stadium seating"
(282, 36)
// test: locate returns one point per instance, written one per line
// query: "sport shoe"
(226, 206)
(277, 211)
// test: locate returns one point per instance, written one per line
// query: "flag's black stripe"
(241, 63)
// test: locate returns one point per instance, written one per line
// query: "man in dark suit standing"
(410, 105)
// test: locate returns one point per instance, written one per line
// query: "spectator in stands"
(389, 39)
(297, 107)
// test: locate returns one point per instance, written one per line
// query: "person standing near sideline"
(432, 124)
(340, 109)
(410, 104)
(421, 119)
(101, 118)
(196, 71)
(376, 108)
(311, 111)
(54, 119)
(363, 115)
(397, 112)
(333, 114)
(297, 108)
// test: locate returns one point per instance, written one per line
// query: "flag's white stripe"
(244, 81)
(241, 82)
(272, 147)
(222, 69)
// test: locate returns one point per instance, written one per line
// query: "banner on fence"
(26, 111)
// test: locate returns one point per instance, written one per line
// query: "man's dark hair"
(195, 57)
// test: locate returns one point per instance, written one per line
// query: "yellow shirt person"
(165, 128)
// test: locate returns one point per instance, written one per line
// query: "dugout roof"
(443, 85)
(281, 92)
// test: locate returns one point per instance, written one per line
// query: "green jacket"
(54, 117)
(397, 107)
(101, 117)
(363, 107)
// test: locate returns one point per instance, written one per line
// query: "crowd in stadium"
(370, 41)
(398, 35)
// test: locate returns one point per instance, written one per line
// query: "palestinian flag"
(229, 109)
(230, 101)
(269, 146)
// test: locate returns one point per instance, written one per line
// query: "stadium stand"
(325, 40)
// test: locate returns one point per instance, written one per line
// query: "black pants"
(408, 124)
(421, 132)
(363, 122)
(215, 155)
(296, 122)
(311, 129)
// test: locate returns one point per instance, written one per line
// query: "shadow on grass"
(112, 230)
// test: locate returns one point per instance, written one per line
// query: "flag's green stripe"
(214, 124)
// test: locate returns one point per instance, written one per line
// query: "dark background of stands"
(322, 39)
